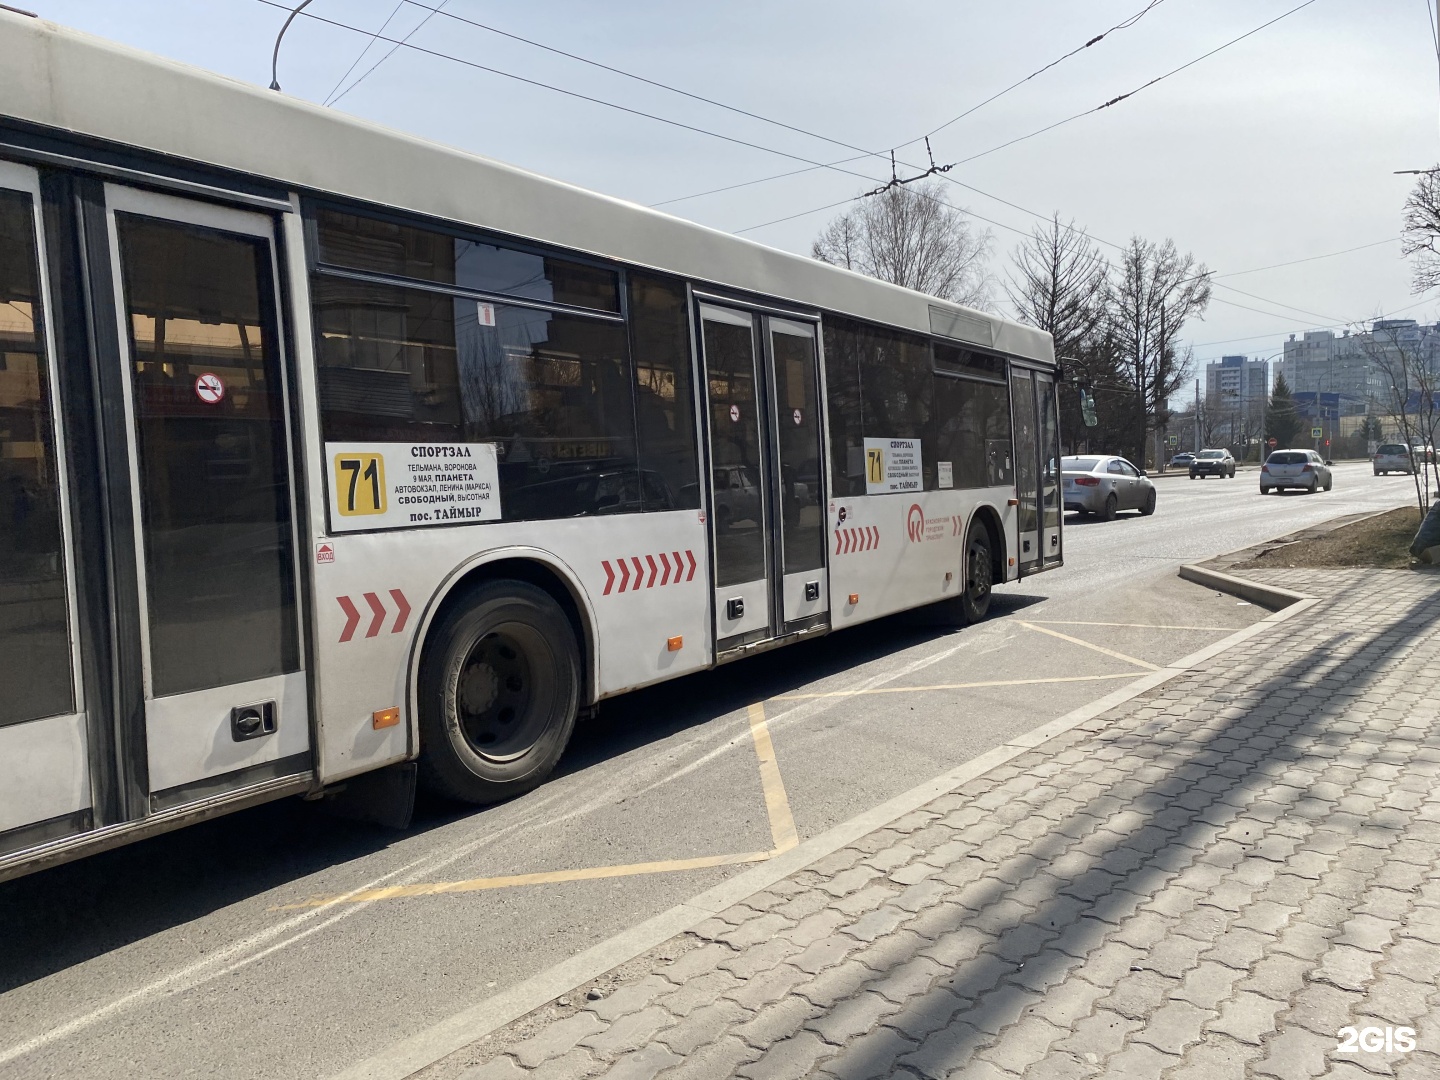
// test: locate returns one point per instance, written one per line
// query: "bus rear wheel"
(979, 575)
(499, 691)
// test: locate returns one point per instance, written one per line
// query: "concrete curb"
(1271, 597)
(410, 1055)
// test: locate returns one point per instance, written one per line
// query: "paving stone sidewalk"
(1210, 881)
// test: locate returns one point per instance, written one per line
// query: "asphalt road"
(204, 953)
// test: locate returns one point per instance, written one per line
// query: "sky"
(1281, 147)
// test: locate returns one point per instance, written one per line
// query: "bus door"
(1027, 466)
(45, 771)
(1037, 467)
(208, 451)
(766, 499)
(1048, 408)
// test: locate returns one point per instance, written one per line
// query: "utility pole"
(1198, 447)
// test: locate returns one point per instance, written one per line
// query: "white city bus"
(330, 454)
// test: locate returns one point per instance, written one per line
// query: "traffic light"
(1087, 408)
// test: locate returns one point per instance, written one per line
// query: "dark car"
(1212, 463)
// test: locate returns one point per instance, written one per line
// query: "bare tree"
(1414, 399)
(1061, 283)
(910, 235)
(1421, 233)
(1155, 291)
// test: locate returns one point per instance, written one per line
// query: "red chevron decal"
(352, 618)
(648, 571)
(856, 539)
(378, 614)
(403, 606)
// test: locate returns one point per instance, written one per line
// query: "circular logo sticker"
(734, 414)
(798, 417)
(209, 389)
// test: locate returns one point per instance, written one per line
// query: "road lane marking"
(545, 877)
(953, 686)
(777, 809)
(1136, 625)
(1090, 645)
(777, 805)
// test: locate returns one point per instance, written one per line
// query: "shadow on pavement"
(1124, 843)
(73, 913)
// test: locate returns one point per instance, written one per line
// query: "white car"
(1393, 457)
(1303, 469)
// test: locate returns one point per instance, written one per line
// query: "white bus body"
(162, 219)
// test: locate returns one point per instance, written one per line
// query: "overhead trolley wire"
(1131, 21)
(331, 100)
(561, 90)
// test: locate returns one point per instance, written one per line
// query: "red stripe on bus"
(352, 618)
(378, 609)
(609, 576)
(404, 606)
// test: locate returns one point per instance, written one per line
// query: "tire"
(1149, 507)
(979, 574)
(1329, 483)
(1111, 504)
(1192, 476)
(1264, 491)
(509, 643)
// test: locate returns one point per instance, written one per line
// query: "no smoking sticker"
(734, 414)
(209, 389)
(798, 417)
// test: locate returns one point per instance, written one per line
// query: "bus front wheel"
(499, 691)
(979, 574)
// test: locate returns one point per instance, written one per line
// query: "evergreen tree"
(1282, 421)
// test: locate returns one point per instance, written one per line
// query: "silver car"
(1303, 469)
(1395, 457)
(1105, 486)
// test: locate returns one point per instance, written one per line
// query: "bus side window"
(972, 430)
(664, 392)
(34, 632)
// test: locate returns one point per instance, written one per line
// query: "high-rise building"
(1360, 369)
(1236, 381)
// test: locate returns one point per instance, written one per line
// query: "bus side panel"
(641, 579)
(893, 552)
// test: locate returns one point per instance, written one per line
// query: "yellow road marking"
(954, 686)
(1090, 645)
(777, 808)
(1137, 626)
(547, 877)
(777, 805)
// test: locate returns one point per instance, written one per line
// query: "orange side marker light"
(385, 718)
(674, 644)
(854, 598)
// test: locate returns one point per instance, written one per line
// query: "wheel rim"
(498, 700)
(980, 577)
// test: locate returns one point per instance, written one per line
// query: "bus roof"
(68, 81)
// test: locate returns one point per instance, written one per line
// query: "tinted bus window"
(972, 431)
(364, 243)
(551, 390)
(34, 638)
(880, 386)
(665, 392)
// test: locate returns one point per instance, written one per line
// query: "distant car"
(1303, 469)
(1392, 457)
(1105, 485)
(1182, 460)
(1213, 463)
